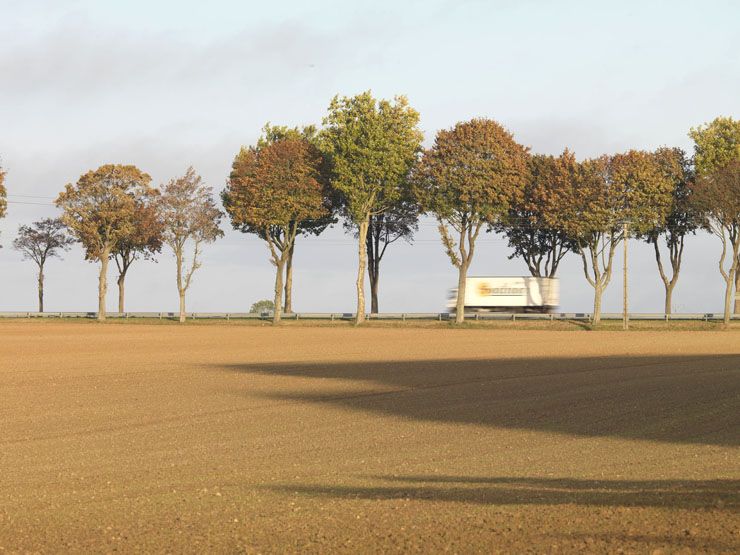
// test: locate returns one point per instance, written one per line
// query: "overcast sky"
(167, 84)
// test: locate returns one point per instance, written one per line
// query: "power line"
(28, 202)
(30, 196)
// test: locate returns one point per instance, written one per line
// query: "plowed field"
(229, 438)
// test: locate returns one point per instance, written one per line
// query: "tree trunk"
(182, 306)
(102, 285)
(180, 289)
(362, 255)
(374, 279)
(598, 291)
(121, 280)
(373, 263)
(289, 281)
(41, 289)
(669, 297)
(278, 300)
(728, 297)
(462, 272)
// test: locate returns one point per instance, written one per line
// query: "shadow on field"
(688, 494)
(685, 399)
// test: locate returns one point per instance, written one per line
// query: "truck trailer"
(508, 294)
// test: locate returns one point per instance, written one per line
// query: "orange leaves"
(275, 185)
(718, 196)
(475, 168)
(101, 208)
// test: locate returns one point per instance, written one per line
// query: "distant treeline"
(366, 167)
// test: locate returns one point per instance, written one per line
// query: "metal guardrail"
(402, 316)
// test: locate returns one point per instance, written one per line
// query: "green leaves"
(716, 144)
(372, 146)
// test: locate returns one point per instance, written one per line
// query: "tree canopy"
(42, 240)
(716, 144)
(278, 185)
(99, 209)
(372, 145)
(532, 226)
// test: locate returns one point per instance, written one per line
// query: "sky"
(169, 84)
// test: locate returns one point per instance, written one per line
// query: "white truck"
(508, 294)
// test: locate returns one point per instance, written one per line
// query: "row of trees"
(115, 214)
(366, 165)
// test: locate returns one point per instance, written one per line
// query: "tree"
(271, 191)
(190, 216)
(272, 134)
(470, 177)
(372, 145)
(143, 240)
(717, 195)
(592, 213)
(607, 193)
(540, 244)
(264, 305)
(38, 242)
(716, 145)
(99, 212)
(681, 220)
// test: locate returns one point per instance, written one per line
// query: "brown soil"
(259, 439)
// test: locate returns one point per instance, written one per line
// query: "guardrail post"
(227, 316)
(403, 316)
(513, 317)
(296, 316)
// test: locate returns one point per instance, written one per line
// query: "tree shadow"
(686, 494)
(683, 399)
